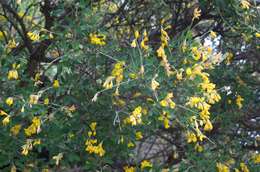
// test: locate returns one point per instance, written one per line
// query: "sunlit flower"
(33, 99)
(108, 84)
(213, 34)
(134, 43)
(3, 113)
(27, 147)
(167, 101)
(245, 4)
(154, 83)
(146, 164)
(222, 167)
(130, 144)
(46, 101)
(6, 120)
(198, 148)
(243, 167)
(56, 84)
(97, 39)
(34, 127)
(144, 41)
(137, 35)
(57, 158)
(191, 137)
(138, 135)
(9, 101)
(188, 71)
(129, 169)
(136, 116)
(239, 101)
(256, 158)
(208, 126)
(15, 129)
(196, 13)
(33, 36)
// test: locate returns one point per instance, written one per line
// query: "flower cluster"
(92, 145)
(13, 74)
(29, 145)
(161, 52)
(135, 117)
(34, 127)
(165, 117)
(97, 39)
(117, 75)
(167, 101)
(6, 119)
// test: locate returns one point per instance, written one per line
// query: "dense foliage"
(129, 85)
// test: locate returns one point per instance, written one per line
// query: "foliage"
(141, 85)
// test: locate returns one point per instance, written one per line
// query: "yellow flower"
(198, 148)
(222, 167)
(164, 38)
(15, 129)
(138, 135)
(160, 52)
(97, 39)
(56, 84)
(6, 120)
(133, 44)
(3, 113)
(108, 84)
(11, 44)
(46, 101)
(243, 167)
(129, 169)
(93, 126)
(57, 158)
(256, 159)
(196, 13)
(146, 164)
(33, 99)
(33, 36)
(196, 53)
(191, 137)
(239, 101)
(165, 118)
(154, 83)
(245, 4)
(144, 41)
(96, 149)
(9, 101)
(136, 116)
(118, 68)
(229, 58)
(37, 142)
(34, 127)
(130, 144)
(2, 34)
(137, 35)
(28, 146)
(188, 71)
(257, 35)
(12, 74)
(213, 34)
(208, 126)
(101, 150)
(167, 102)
